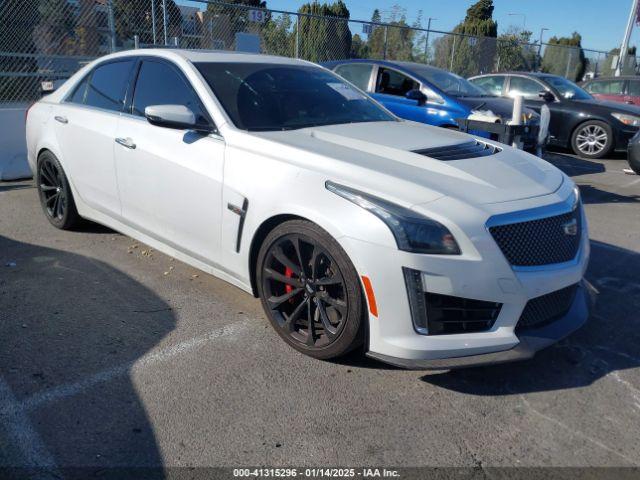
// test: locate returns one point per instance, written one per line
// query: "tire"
(55, 193)
(302, 273)
(634, 163)
(592, 139)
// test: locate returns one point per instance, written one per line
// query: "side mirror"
(547, 96)
(178, 117)
(418, 96)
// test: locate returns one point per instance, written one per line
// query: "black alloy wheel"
(55, 194)
(310, 290)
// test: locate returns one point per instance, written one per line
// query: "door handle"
(60, 119)
(126, 142)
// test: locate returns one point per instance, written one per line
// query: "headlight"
(629, 120)
(412, 231)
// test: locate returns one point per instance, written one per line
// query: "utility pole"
(624, 49)
(426, 42)
(542, 30)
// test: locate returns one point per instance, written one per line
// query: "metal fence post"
(566, 75)
(136, 41)
(153, 20)
(384, 51)
(298, 36)
(176, 41)
(112, 25)
(426, 48)
(164, 20)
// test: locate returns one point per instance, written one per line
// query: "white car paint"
(173, 194)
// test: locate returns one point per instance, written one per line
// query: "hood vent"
(472, 149)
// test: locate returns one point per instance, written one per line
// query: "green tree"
(18, 20)
(324, 38)
(564, 56)
(515, 52)
(359, 47)
(375, 42)
(394, 40)
(56, 30)
(473, 51)
(134, 18)
(278, 36)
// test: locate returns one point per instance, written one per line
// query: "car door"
(530, 90)
(85, 126)
(170, 180)
(391, 88)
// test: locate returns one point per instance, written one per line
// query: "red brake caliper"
(288, 288)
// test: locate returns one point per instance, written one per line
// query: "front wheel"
(310, 290)
(592, 139)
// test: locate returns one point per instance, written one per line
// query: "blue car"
(423, 93)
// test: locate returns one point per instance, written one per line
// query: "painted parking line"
(11, 407)
(23, 436)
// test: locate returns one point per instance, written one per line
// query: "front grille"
(472, 149)
(449, 315)
(540, 242)
(543, 310)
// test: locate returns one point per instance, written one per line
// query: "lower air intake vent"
(543, 310)
(471, 149)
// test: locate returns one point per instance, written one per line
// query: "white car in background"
(431, 248)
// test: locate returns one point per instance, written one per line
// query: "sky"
(600, 22)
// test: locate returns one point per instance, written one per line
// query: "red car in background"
(625, 89)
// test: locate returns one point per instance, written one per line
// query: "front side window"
(108, 85)
(525, 87)
(356, 73)
(267, 96)
(567, 88)
(160, 84)
(392, 82)
(493, 85)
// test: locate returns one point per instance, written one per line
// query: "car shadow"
(593, 195)
(15, 186)
(574, 166)
(607, 343)
(71, 329)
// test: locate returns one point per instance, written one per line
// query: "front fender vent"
(471, 149)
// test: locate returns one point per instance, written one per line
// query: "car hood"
(605, 105)
(381, 158)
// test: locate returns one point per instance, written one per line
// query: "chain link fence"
(48, 40)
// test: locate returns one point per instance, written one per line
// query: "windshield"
(267, 96)
(450, 83)
(567, 89)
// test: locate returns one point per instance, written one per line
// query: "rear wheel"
(592, 139)
(55, 193)
(310, 290)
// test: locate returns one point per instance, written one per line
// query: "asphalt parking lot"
(112, 354)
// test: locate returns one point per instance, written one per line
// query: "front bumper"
(531, 341)
(481, 273)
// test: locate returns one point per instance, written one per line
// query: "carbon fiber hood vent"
(471, 149)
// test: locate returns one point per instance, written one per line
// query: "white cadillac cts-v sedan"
(429, 247)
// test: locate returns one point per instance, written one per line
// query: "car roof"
(207, 56)
(621, 77)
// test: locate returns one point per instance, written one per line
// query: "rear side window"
(356, 73)
(108, 86)
(160, 84)
(525, 87)
(492, 85)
